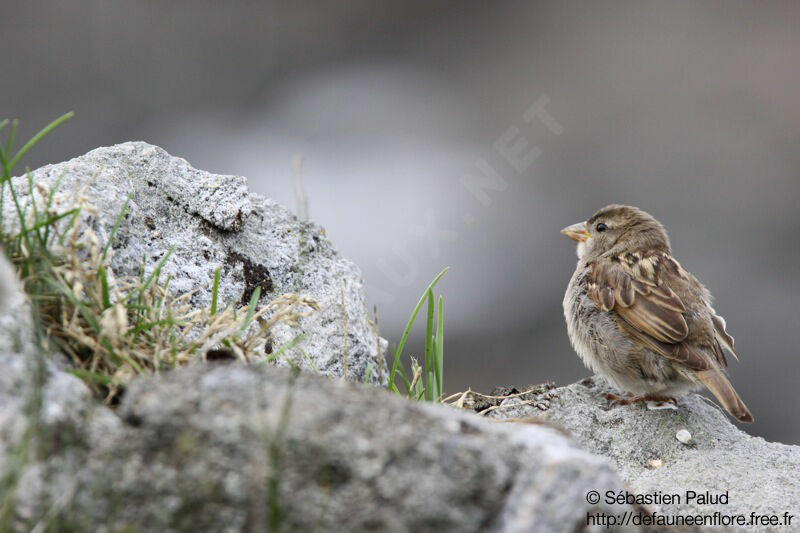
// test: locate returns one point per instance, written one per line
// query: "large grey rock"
(757, 476)
(234, 448)
(213, 221)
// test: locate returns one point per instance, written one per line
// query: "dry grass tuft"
(115, 328)
(483, 404)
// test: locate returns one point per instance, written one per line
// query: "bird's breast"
(595, 335)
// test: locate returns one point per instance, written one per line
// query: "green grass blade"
(215, 292)
(84, 311)
(439, 358)
(153, 275)
(106, 295)
(310, 361)
(29, 179)
(403, 376)
(5, 176)
(4, 166)
(69, 226)
(21, 215)
(429, 347)
(12, 135)
(37, 216)
(49, 204)
(395, 367)
(285, 348)
(2, 205)
(144, 326)
(48, 222)
(38, 137)
(251, 310)
(122, 356)
(93, 377)
(165, 291)
(407, 330)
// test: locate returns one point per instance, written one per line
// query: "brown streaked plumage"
(636, 317)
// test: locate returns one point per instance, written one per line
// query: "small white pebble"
(683, 436)
(655, 464)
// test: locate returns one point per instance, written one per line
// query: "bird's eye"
(601, 227)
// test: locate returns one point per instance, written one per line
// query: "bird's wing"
(639, 289)
(642, 292)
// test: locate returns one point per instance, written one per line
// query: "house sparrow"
(638, 319)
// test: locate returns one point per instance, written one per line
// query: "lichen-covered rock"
(647, 448)
(233, 448)
(212, 221)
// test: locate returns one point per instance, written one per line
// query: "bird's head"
(616, 229)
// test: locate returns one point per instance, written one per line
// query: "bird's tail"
(724, 392)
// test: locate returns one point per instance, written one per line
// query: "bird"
(637, 318)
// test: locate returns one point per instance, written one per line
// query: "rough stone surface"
(213, 221)
(758, 476)
(327, 455)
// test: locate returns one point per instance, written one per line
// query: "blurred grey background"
(689, 110)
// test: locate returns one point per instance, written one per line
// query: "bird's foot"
(653, 401)
(615, 400)
(656, 402)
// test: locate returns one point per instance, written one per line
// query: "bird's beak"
(577, 232)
